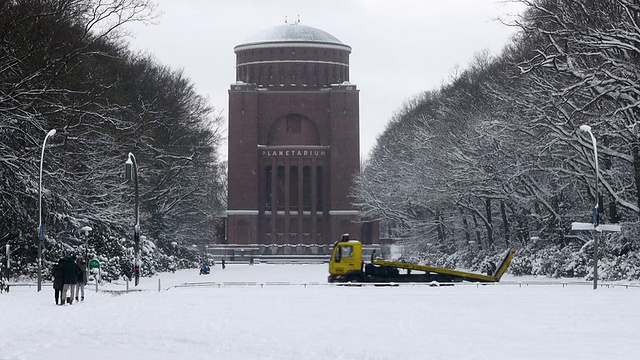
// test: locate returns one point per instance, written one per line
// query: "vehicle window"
(346, 251)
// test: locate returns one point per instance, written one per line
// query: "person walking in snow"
(223, 264)
(70, 278)
(82, 278)
(58, 281)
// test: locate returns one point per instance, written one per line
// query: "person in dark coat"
(58, 281)
(70, 278)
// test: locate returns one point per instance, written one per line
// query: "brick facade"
(293, 141)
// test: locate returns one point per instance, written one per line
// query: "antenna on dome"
(298, 20)
(285, 19)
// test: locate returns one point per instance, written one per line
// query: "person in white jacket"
(82, 278)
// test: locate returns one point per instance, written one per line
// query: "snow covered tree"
(495, 157)
(64, 66)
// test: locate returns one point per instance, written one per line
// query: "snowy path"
(321, 321)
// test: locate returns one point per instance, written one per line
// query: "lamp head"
(128, 169)
(85, 230)
(51, 132)
(585, 128)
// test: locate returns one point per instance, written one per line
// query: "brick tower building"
(293, 141)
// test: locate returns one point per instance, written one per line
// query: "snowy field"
(289, 312)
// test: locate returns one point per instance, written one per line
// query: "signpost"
(95, 264)
(596, 228)
(595, 222)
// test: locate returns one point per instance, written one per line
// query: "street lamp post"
(85, 233)
(40, 226)
(131, 168)
(595, 225)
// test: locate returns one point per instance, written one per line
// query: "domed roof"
(292, 33)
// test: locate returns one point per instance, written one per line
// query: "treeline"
(496, 158)
(65, 65)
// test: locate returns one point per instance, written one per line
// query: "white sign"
(599, 228)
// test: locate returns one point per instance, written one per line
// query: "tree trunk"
(613, 212)
(636, 169)
(466, 226)
(505, 222)
(524, 226)
(440, 228)
(487, 207)
(475, 224)
(613, 207)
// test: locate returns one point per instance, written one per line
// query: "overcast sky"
(400, 48)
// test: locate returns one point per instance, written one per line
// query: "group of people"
(205, 269)
(69, 279)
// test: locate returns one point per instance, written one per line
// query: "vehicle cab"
(346, 259)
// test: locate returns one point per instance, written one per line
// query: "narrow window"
(280, 206)
(306, 188)
(267, 176)
(319, 184)
(293, 193)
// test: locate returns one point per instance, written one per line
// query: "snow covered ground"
(289, 312)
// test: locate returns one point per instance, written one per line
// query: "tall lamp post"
(85, 233)
(40, 225)
(595, 225)
(131, 168)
